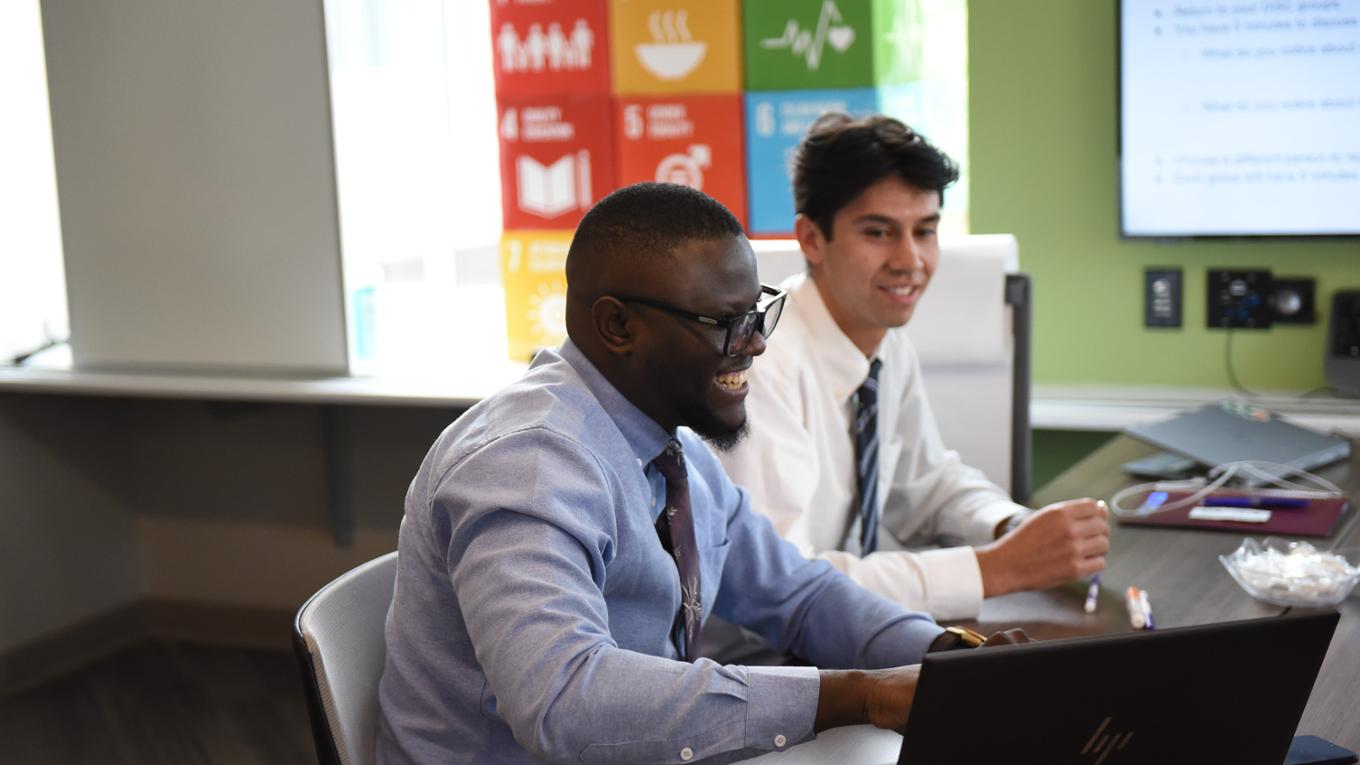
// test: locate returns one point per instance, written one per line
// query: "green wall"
(1043, 114)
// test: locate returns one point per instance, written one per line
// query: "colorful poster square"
(692, 140)
(545, 47)
(557, 159)
(775, 124)
(808, 44)
(675, 46)
(533, 272)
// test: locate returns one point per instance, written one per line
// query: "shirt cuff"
(781, 706)
(953, 582)
(982, 528)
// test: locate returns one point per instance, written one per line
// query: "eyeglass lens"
(762, 319)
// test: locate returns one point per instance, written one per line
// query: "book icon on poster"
(551, 190)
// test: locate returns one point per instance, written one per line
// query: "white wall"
(30, 232)
(197, 185)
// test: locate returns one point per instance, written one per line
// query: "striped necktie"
(866, 458)
(675, 527)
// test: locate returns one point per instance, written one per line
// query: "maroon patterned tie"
(675, 527)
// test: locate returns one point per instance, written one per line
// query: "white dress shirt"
(799, 464)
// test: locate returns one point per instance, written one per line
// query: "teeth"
(732, 381)
(907, 290)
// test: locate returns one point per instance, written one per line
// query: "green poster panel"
(808, 44)
(900, 28)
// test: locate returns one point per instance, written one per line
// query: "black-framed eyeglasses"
(740, 328)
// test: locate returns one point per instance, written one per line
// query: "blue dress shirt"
(534, 602)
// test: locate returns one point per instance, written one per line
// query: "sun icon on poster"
(548, 313)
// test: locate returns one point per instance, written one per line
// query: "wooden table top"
(1187, 585)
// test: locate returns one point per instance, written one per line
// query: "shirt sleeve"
(528, 564)
(803, 606)
(958, 503)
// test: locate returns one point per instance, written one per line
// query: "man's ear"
(613, 324)
(810, 239)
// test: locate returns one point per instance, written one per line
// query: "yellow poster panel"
(675, 46)
(533, 272)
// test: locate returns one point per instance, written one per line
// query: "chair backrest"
(340, 646)
(971, 333)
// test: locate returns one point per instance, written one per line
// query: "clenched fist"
(1059, 543)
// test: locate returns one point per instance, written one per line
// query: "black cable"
(1232, 371)
(26, 355)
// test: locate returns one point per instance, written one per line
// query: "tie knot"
(868, 390)
(671, 462)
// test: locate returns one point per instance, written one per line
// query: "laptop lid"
(1228, 432)
(1227, 692)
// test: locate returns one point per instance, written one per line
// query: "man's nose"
(757, 344)
(908, 256)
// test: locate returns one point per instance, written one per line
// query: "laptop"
(1230, 431)
(1231, 692)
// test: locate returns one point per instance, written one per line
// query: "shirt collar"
(643, 434)
(844, 364)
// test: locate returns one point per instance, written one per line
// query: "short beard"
(721, 438)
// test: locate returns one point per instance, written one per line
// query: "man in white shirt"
(846, 466)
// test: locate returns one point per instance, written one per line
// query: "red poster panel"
(692, 140)
(557, 159)
(544, 47)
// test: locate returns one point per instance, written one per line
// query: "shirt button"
(780, 740)
(686, 754)
(671, 511)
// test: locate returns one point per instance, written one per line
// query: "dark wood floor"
(163, 703)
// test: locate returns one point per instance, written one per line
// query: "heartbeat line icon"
(810, 44)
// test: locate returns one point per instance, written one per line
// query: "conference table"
(1186, 584)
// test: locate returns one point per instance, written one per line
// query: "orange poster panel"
(675, 46)
(691, 140)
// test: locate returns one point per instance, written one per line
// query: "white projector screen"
(1240, 118)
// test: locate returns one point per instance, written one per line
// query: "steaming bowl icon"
(671, 61)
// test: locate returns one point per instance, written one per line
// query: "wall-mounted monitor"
(1239, 118)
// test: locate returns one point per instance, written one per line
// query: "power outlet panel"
(1292, 300)
(1162, 297)
(1239, 299)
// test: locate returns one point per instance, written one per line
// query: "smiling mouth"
(732, 381)
(903, 291)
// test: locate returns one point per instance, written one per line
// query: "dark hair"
(647, 220)
(840, 157)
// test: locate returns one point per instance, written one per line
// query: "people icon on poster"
(551, 50)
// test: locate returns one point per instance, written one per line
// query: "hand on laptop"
(880, 697)
(1012, 636)
(1059, 543)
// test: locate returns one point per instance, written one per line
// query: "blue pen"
(1280, 503)
(1092, 594)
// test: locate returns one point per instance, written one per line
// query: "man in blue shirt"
(564, 539)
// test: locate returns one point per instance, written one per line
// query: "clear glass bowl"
(1293, 573)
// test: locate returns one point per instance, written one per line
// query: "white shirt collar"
(844, 363)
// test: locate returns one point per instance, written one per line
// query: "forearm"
(805, 607)
(842, 697)
(943, 582)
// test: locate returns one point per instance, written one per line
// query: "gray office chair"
(340, 647)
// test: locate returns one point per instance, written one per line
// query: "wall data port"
(1239, 299)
